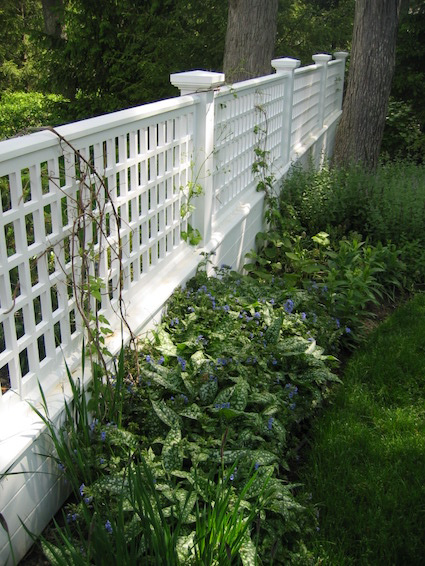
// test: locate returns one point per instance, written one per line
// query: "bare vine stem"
(80, 262)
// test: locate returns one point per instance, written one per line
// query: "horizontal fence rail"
(130, 175)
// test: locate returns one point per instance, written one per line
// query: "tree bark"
(53, 18)
(250, 38)
(359, 134)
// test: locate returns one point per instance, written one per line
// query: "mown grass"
(366, 463)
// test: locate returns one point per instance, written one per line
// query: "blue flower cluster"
(86, 499)
(222, 405)
(289, 306)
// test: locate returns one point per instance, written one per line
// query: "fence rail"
(131, 170)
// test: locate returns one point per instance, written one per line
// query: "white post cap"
(341, 54)
(285, 64)
(196, 81)
(321, 58)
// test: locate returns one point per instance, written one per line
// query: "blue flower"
(338, 324)
(303, 316)
(257, 465)
(82, 486)
(161, 360)
(226, 308)
(289, 306)
(347, 330)
(270, 423)
(182, 362)
(190, 309)
(148, 359)
(103, 436)
(108, 526)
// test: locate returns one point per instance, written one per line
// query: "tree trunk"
(250, 38)
(360, 131)
(53, 18)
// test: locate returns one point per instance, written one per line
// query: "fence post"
(286, 66)
(202, 83)
(322, 60)
(341, 56)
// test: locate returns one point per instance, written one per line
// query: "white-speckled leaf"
(166, 414)
(248, 552)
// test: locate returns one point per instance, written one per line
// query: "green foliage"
(403, 138)
(20, 112)
(306, 27)
(409, 77)
(209, 418)
(386, 207)
(117, 55)
(192, 190)
(18, 51)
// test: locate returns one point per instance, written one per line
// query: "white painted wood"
(147, 156)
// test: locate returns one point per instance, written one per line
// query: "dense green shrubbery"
(20, 112)
(403, 137)
(386, 208)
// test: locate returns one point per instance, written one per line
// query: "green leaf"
(192, 412)
(198, 359)
(166, 346)
(171, 454)
(248, 552)
(166, 414)
(167, 378)
(208, 391)
(239, 398)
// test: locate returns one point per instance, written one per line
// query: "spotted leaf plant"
(235, 360)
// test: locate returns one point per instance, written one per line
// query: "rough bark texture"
(250, 39)
(53, 17)
(360, 131)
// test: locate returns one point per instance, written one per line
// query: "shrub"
(22, 111)
(403, 137)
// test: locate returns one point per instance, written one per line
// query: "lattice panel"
(333, 88)
(135, 197)
(306, 100)
(237, 114)
(37, 306)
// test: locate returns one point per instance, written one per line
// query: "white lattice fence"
(144, 161)
(305, 113)
(141, 167)
(247, 115)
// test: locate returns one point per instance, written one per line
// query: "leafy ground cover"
(187, 453)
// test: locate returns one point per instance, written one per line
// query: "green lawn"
(366, 463)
